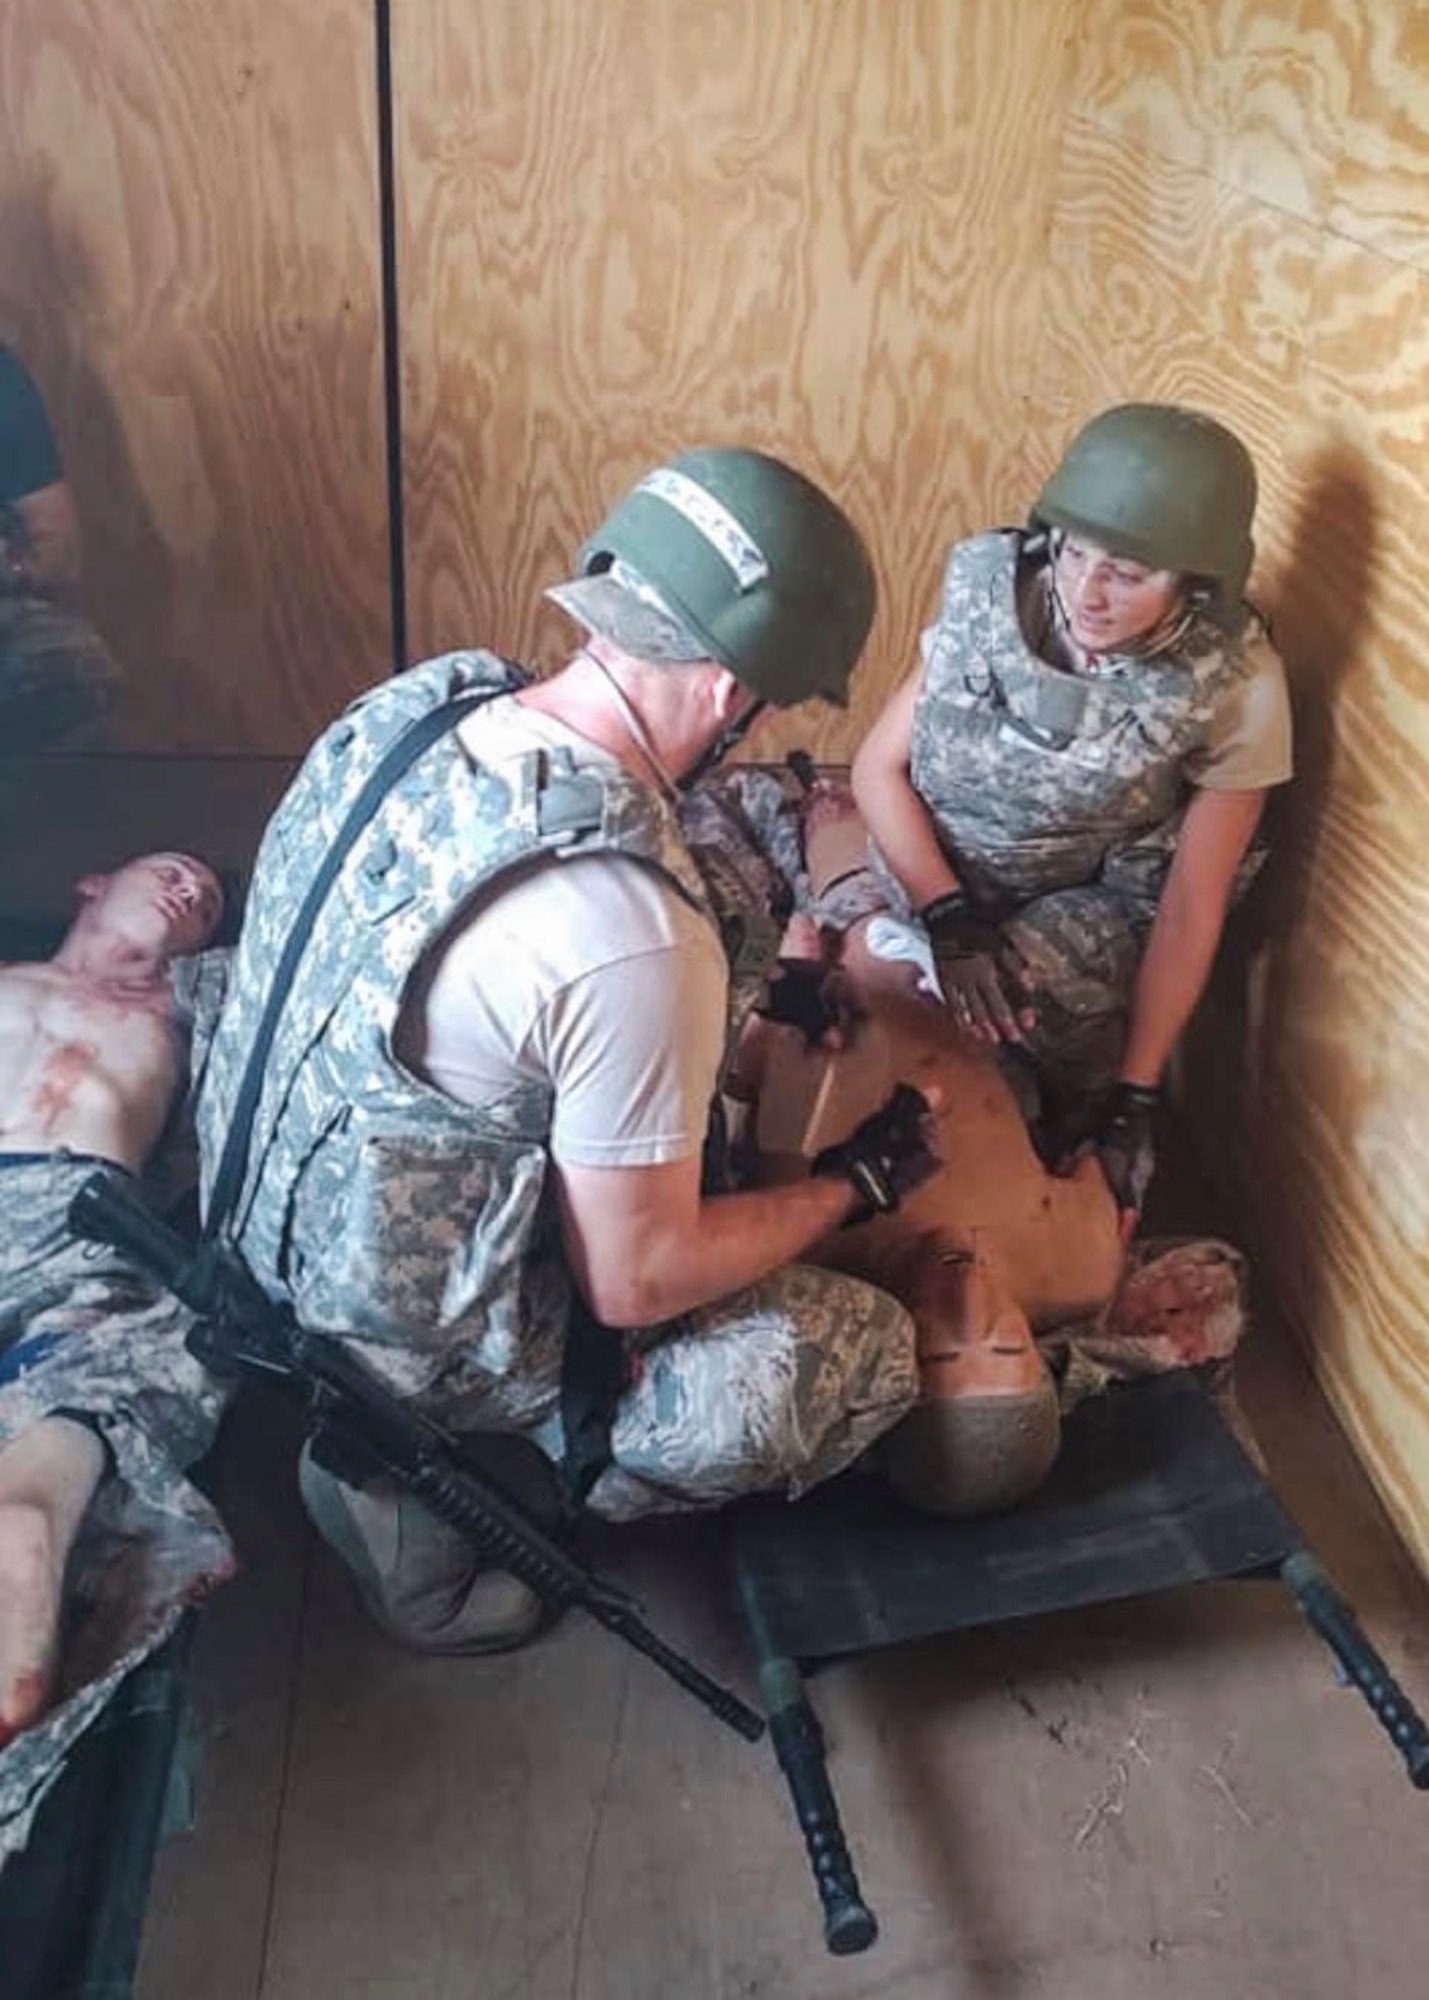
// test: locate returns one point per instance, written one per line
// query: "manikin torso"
(90, 1051)
(990, 1247)
(83, 1067)
(1046, 1244)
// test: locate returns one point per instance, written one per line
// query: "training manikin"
(993, 1250)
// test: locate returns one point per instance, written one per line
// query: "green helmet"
(1162, 485)
(753, 565)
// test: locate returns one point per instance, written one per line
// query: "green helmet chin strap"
(1162, 485)
(753, 560)
(729, 738)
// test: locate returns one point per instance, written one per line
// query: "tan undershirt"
(592, 976)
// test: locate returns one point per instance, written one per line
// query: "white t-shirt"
(593, 974)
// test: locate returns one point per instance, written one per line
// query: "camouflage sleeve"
(198, 984)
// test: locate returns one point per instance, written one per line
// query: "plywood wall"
(816, 228)
(189, 263)
(1242, 219)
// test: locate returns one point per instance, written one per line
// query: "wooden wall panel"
(625, 229)
(1240, 220)
(1164, 283)
(189, 262)
(1255, 93)
(1381, 192)
(1339, 1126)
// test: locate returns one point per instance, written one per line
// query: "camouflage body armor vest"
(379, 1207)
(1039, 779)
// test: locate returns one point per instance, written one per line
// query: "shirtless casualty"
(1023, 1290)
(101, 1406)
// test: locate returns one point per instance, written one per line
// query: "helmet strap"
(1168, 634)
(729, 738)
(635, 728)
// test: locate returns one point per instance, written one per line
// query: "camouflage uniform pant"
(82, 1334)
(1079, 950)
(775, 1389)
(56, 674)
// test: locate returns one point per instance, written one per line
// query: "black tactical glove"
(889, 1155)
(981, 989)
(808, 994)
(1118, 1125)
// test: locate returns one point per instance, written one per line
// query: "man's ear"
(727, 695)
(90, 886)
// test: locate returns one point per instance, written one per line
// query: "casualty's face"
(166, 904)
(1110, 601)
(997, 1357)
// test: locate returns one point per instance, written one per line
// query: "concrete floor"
(1160, 1800)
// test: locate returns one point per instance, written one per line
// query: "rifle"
(362, 1428)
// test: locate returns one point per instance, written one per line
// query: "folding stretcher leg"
(1331, 1616)
(1151, 1491)
(849, 1924)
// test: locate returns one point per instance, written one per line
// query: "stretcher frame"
(1151, 1491)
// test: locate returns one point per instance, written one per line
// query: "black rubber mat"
(1151, 1490)
(72, 1902)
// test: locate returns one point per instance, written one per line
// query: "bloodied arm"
(1217, 830)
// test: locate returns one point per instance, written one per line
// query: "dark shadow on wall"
(1319, 616)
(1318, 606)
(49, 299)
(91, 801)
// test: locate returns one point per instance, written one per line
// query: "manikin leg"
(47, 1478)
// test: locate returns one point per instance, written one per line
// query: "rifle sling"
(399, 756)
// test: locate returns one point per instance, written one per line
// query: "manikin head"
(155, 907)
(985, 1430)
